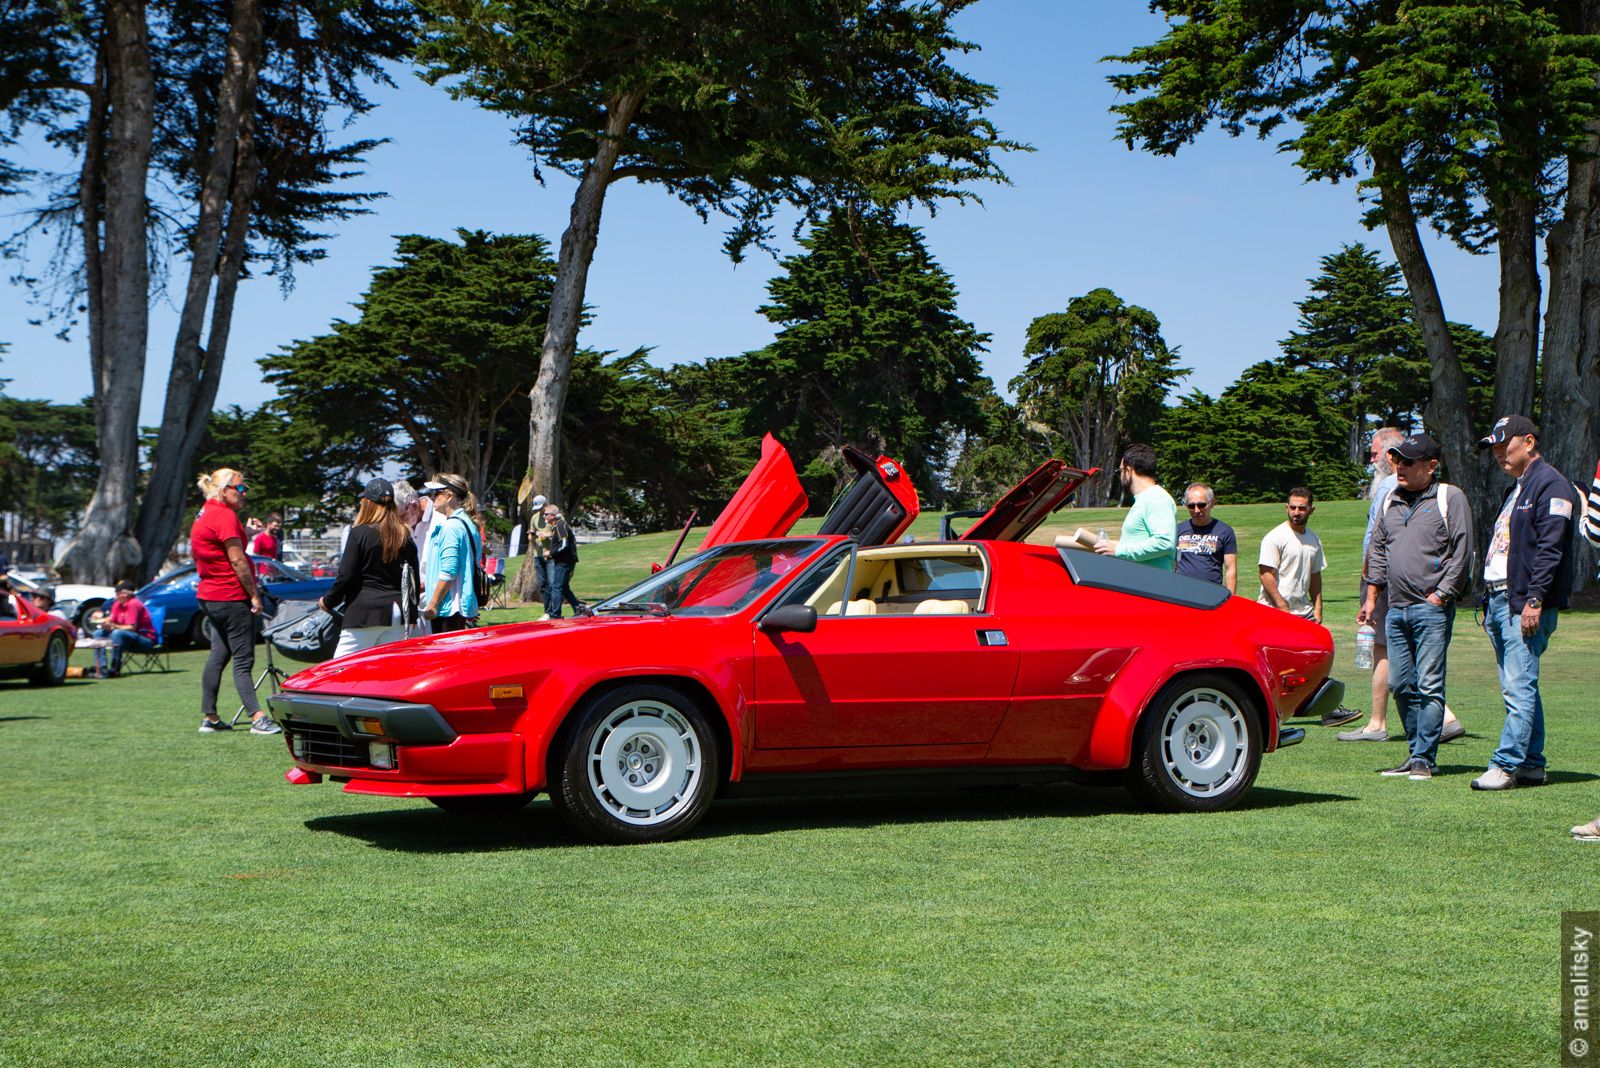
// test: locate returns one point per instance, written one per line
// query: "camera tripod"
(269, 671)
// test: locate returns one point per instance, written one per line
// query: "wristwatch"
(1534, 602)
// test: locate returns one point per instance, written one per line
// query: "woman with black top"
(378, 575)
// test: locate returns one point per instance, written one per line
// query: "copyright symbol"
(1578, 1047)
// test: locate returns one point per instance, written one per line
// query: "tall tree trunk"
(549, 393)
(105, 549)
(1516, 336)
(1571, 360)
(192, 382)
(1447, 412)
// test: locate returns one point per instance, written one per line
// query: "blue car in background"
(174, 591)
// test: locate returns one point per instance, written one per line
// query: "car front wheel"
(1197, 747)
(639, 765)
(53, 668)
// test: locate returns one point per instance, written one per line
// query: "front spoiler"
(402, 721)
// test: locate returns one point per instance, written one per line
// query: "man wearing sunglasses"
(1207, 547)
(1421, 553)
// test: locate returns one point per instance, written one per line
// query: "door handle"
(992, 637)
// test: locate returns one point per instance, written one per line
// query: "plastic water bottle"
(1366, 638)
(1102, 533)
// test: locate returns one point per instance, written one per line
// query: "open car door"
(875, 509)
(1025, 505)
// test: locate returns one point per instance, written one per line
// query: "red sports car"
(32, 643)
(773, 663)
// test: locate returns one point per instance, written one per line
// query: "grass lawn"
(167, 899)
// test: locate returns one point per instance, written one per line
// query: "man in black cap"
(1527, 574)
(1421, 554)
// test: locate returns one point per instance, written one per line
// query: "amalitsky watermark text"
(1578, 978)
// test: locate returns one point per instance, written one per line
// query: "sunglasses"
(240, 488)
(1401, 461)
(1197, 504)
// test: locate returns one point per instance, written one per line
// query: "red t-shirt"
(217, 523)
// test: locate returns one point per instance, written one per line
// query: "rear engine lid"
(1025, 505)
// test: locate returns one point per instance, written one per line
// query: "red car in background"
(770, 663)
(33, 643)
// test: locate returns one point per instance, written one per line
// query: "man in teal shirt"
(1150, 533)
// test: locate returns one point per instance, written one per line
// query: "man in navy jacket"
(1527, 574)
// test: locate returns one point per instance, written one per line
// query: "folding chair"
(155, 658)
(495, 569)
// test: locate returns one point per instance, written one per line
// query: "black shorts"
(1380, 611)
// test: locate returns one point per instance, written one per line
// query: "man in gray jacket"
(1421, 553)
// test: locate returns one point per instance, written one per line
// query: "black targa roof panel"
(1124, 576)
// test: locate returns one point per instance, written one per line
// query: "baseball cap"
(380, 490)
(539, 501)
(1506, 428)
(1416, 447)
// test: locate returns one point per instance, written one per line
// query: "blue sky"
(1218, 241)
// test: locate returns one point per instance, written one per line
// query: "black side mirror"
(791, 617)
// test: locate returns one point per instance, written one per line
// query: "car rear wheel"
(53, 668)
(1197, 747)
(639, 765)
(485, 804)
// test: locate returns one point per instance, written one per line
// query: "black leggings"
(233, 635)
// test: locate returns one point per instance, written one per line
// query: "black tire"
(1197, 747)
(200, 630)
(84, 611)
(53, 668)
(485, 804)
(637, 764)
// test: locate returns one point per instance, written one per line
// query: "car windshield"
(284, 573)
(718, 582)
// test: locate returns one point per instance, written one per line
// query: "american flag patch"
(1561, 506)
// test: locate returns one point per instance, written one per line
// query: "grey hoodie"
(1415, 552)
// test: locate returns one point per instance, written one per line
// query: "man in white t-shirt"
(1291, 561)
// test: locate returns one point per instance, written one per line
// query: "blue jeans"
(122, 640)
(1522, 738)
(1418, 636)
(553, 579)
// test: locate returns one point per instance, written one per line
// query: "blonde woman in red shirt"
(229, 598)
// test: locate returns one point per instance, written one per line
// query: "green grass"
(167, 899)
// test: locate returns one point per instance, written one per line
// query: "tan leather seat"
(943, 608)
(860, 607)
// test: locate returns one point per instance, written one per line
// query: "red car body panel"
(768, 502)
(25, 635)
(1077, 667)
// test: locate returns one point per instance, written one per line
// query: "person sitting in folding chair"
(130, 626)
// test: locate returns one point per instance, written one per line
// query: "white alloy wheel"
(1205, 745)
(645, 762)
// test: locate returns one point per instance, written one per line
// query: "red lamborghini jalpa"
(777, 663)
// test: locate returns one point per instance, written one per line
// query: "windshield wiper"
(655, 608)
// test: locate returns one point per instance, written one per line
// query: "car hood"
(450, 666)
(1025, 505)
(77, 591)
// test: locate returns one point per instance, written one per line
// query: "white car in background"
(74, 600)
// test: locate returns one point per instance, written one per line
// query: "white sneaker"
(1496, 778)
(544, 617)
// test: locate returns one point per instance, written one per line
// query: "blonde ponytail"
(213, 484)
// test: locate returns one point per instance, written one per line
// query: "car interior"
(903, 580)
